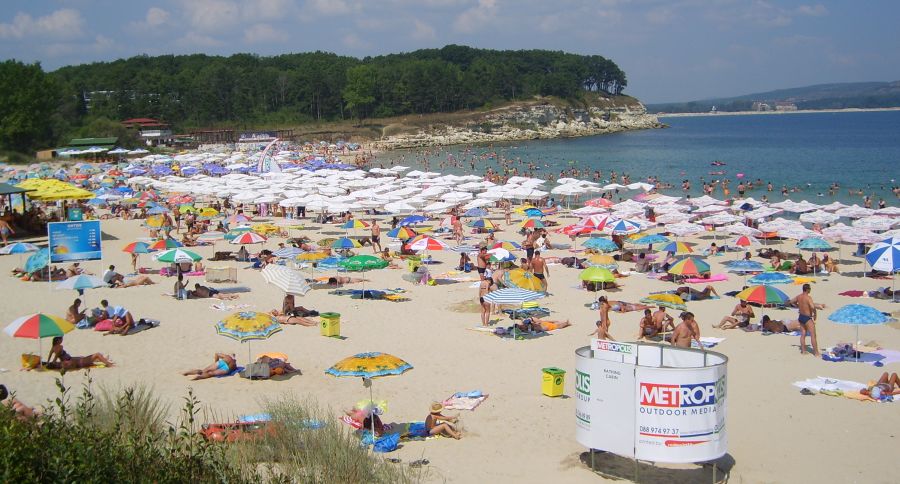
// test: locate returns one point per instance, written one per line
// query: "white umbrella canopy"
(684, 228)
(673, 217)
(438, 207)
(399, 208)
(762, 212)
(875, 223)
(706, 200)
(711, 209)
(833, 206)
(855, 211)
(456, 197)
(888, 211)
(478, 202)
(720, 219)
(741, 229)
(818, 217)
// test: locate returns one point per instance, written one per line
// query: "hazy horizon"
(676, 51)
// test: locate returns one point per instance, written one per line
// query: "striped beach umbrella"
(237, 219)
(689, 266)
(512, 295)
(482, 223)
(248, 237)
(678, 248)
(287, 252)
(412, 220)
(508, 245)
(523, 279)
(19, 248)
(402, 233)
(38, 325)
(596, 222)
(885, 255)
(500, 255)
(355, 224)
(177, 256)
(167, 243)
(763, 295)
(532, 223)
(137, 248)
(623, 227)
(428, 243)
(286, 279)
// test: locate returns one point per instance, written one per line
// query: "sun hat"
(436, 407)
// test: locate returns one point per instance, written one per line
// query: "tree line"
(190, 91)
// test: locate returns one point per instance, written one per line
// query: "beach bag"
(257, 371)
(105, 325)
(387, 443)
(30, 361)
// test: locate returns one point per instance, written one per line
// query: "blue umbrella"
(770, 278)
(412, 220)
(814, 244)
(858, 315)
(345, 243)
(885, 255)
(158, 210)
(19, 248)
(38, 260)
(744, 266)
(533, 212)
(651, 239)
(81, 282)
(476, 212)
(622, 227)
(601, 244)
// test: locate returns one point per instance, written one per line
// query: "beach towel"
(841, 353)
(233, 290)
(838, 388)
(104, 325)
(712, 278)
(707, 342)
(142, 326)
(235, 371)
(853, 293)
(229, 307)
(464, 401)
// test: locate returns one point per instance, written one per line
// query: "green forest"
(39, 109)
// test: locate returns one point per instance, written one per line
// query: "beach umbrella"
(885, 255)
(475, 212)
(38, 260)
(427, 243)
(771, 278)
(157, 210)
(311, 256)
(246, 326)
(287, 252)
(532, 223)
(288, 280)
(601, 244)
(858, 315)
(155, 222)
(500, 254)
(137, 248)
(211, 236)
(177, 256)
(651, 239)
(763, 294)
(412, 220)
(597, 222)
(363, 263)
(599, 203)
(369, 366)
(814, 244)
(234, 232)
(402, 233)
(167, 243)
(482, 223)
(575, 230)
(745, 241)
(512, 295)
(597, 274)
(207, 213)
(248, 237)
(345, 243)
(745, 266)
(355, 224)
(523, 279)
(237, 219)
(672, 301)
(38, 326)
(689, 266)
(19, 248)
(81, 282)
(602, 260)
(507, 245)
(623, 227)
(677, 248)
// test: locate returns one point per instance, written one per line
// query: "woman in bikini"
(625, 307)
(223, 365)
(60, 359)
(887, 386)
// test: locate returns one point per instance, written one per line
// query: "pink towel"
(712, 278)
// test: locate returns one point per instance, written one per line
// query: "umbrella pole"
(372, 417)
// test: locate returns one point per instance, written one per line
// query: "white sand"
(775, 434)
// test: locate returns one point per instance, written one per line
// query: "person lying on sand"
(778, 326)
(223, 364)
(691, 294)
(59, 358)
(538, 324)
(277, 366)
(886, 386)
(204, 292)
(438, 424)
(22, 411)
(291, 319)
(625, 307)
(341, 280)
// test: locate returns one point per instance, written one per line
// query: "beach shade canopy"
(177, 256)
(597, 274)
(155, 222)
(369, 365)
(476, 212)
(689, 266)
(345, 243)
(602, 260)
(207, 213)
(512, 295)
(39, 325)
(287, 252)
(770, 278)
(500, 255)
(745, 241)
(354, 224)
(532, 223)
(814, 244)
(211, 236)
(508, 245)
(402, 233)
(575, 230)
(38, 260)
(746, 266)
(763, 294)
(523, 279)
(885, 255)
(672, 301)
(363, 263)
(235, 231)
(597, 221)
(82, 282)
(623, 227)
(428, 243)
(246, 326)
(482, 223)
(412, 220)
(651, 239)
(248, 237)
(237, 219)
(19, 248)
(157, 210)
(677, 248)
(167, 243)
(137, 248)
(312, 256)
(601, 244)
(599, 202)
(858, 315)
(286, 279)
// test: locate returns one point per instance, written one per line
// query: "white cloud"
(330, 7)
(193, 40)
(211, 15)
(65, 23)
(472, 19)
(264, 33)
(423, 31)
(156, 17)
(816, 10)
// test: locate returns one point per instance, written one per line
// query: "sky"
(676, 50)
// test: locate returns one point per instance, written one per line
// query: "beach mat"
(836, 388)
(138, 327)
(233, 290)
(462, 401)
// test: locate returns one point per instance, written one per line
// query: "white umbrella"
(288, 280)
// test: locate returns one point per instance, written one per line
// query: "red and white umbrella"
(248, 238)
(428, 243)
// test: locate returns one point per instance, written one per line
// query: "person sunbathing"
(739, 318)
(291, 319)
(885, 387)
(277, 366)
(22, 411)
(538, 324)
(386, 256)
(800, 267)
(829, 264)
(691, 294)
(438, 424)
(778, 326)
(223, 364)
(341, 280)
(204, 292)
(59, 358)
(625, 307)
(123, 321)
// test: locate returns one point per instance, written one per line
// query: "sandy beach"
(775, 433)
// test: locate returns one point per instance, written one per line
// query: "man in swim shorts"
(807, 318)
(540, 269)
(481, 261)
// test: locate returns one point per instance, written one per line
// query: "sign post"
(74, 241)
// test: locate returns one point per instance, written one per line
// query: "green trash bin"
(553, 382)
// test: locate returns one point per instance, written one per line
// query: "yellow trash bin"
(330, 325)
(554, 381)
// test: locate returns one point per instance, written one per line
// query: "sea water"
(806, 152)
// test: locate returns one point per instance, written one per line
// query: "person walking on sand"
(376, 236)
(540, 269)
(808, 310)
(5, 231)
(484, 287)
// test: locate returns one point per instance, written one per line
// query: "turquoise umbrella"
(38, 260)
(858, 315)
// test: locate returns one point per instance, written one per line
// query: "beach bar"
(651, 402)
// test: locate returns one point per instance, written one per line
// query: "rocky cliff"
(542, 120)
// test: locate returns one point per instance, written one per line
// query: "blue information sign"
(72, 241)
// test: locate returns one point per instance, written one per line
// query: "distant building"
(785, 106)
(151, 131)
(761, 106)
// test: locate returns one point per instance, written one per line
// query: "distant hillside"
(820, 96)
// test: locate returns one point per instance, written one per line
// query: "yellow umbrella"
(673, 301)
(265, 229)
(524, 280)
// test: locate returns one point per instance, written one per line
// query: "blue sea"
(805, 152)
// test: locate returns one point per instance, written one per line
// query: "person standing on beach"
(540, 269)
(808, 310)
(687, 330)
(5, 231)
(376, 237)
(484, 287)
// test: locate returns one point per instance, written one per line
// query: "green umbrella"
(178, 256)
(363, 263)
